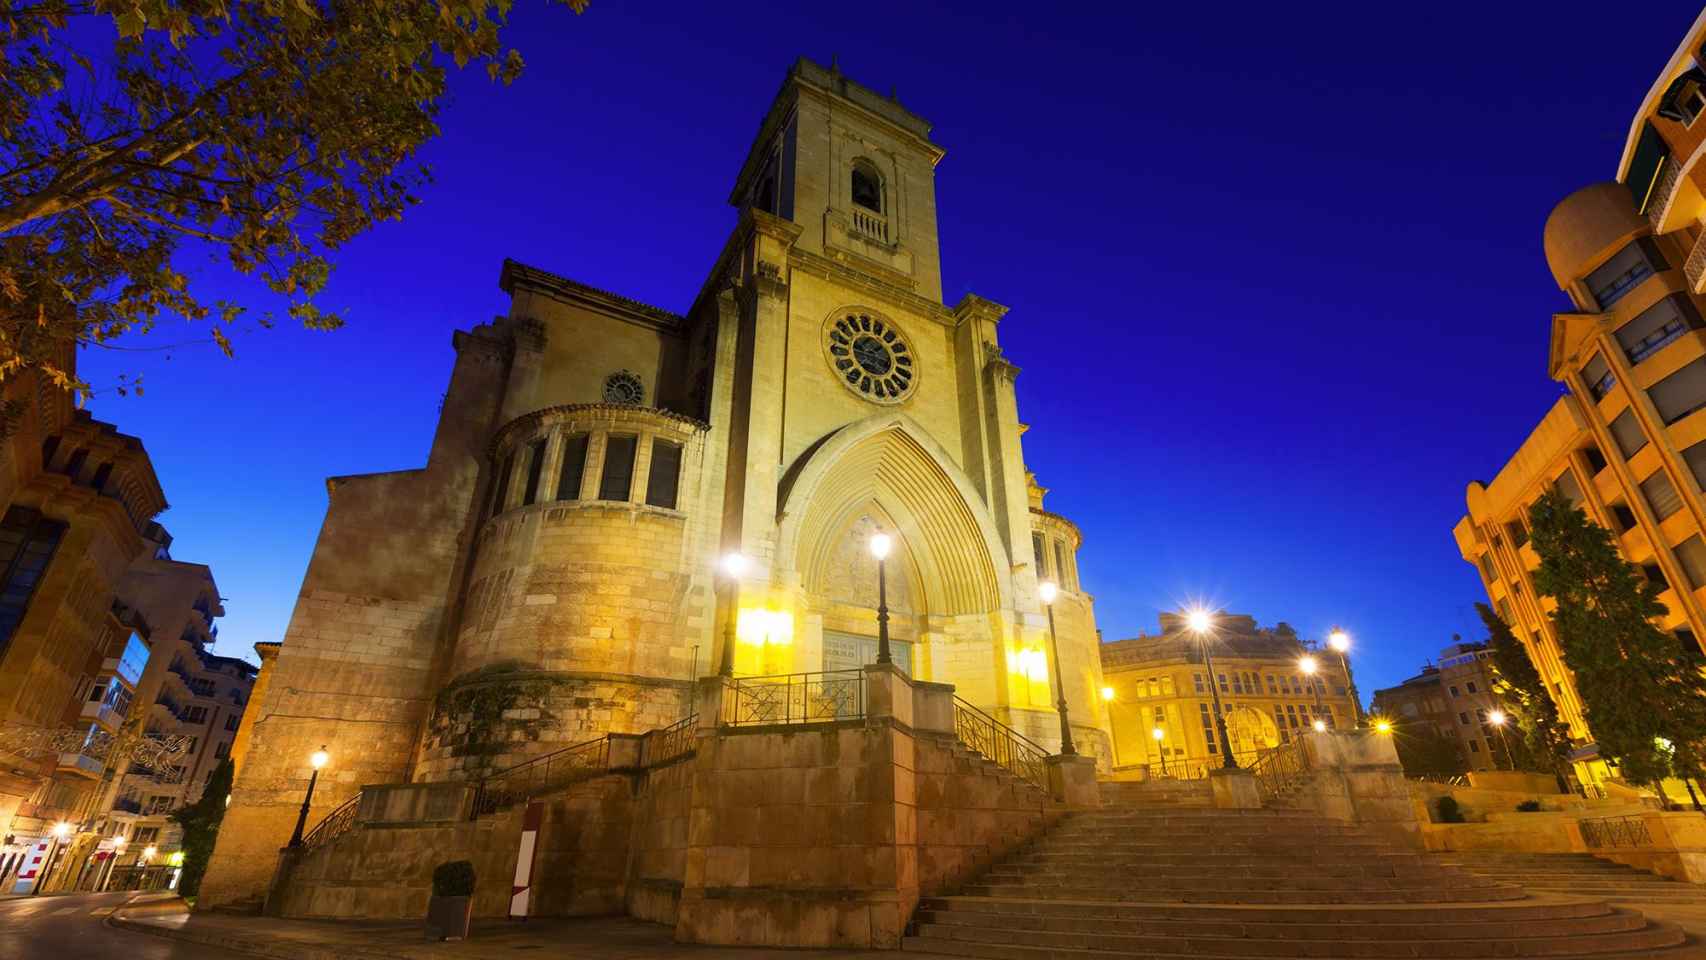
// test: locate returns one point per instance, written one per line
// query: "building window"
(27, 543)
(1654, 574)
(1567, 485)
(1038, 550)
(194, 715)
(665, 476)
(223, 750)
(1060, 562)
(1661, 494)
(1626, 430)
(1622, 272)
(535, 463)
(1208, 728)
(1198, 678)
(1656, 327)
(1683, 100)
(1222, 678)
(500, 489)
(1454, 689)
(1691, 553)
(867, 187)
(1598, 377)
(1624, 516)
(1485, 562)
(1470, 686)
(574, 464)
(1518, 534)
(233, 721)
(1474, 746)
(1595, 459)
(624, 387)
(618, 479)
(1681, 393)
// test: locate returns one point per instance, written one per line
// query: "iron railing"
(542, 774)
(1278, 769)
(1000, 744)
(1446, 779)
(795, 698)
(334, 824)
(670, 743)
(1601, 832)
(1183, 769)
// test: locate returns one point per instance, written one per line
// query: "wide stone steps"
(1168, 882)
(1579, 874)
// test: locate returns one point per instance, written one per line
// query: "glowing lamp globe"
(1307, 665)
(734, 565)
(1108, 693)
(1320, 726)
(1158, 733)
(880, 544)
(1339, 640)
(1199, 621)
(1496, 718)
(1382, 726)
(319, 758)
(1048, 591)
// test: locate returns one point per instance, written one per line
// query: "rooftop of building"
(1235, 636)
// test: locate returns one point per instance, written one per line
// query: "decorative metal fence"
(334, 824)
(1278, 769)
(1000, 743)
(1602, 832)
(670, 743)
(553, 771)
(795, 698)
(1450, 780)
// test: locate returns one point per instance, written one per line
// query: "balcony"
(1695, 267)
(127, 805)
(81, 765)
(103, 716)
(1664, 190)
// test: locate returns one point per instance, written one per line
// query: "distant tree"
(1285, 631)
(1542, 741)
(1423, 751)
(200, 822)
(270, 131)
(1642, 692)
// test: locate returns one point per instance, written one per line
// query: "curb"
(270, 947)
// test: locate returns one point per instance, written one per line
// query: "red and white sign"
(520, 892)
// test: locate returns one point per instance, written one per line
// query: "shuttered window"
(1627, 432)
(1691, 553)
(1657, 326)
(1597, 375)
(535, 463)
(1695, 457)
(27, 543)
(1616, 277)
(665, 477)
(1681, 393)
(1661, 494)
(574, 464)
(618, 478)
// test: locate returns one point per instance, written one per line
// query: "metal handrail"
(794, 699)
(672, 742)
(333, 825)
(1278, 769)
(551, 771)
(1630, 831)
(1000, 744)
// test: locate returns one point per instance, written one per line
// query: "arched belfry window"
(867, 187)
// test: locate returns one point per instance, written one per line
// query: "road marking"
(63, 912)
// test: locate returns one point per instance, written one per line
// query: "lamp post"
(119, 843)
(317, 760)
(59, 832)
(734, 567)
(1108, 696)
(1340, 642)
(1309, 665)
(1498, 719)
(1048, 591)
(1201, 623)
(1160, 737)
(880, 544)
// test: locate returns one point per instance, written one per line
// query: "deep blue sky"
(1275, 277)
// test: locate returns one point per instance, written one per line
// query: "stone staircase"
(1156, 793)
(1580, 874)
(1180, 879)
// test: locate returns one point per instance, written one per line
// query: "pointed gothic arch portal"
(948, 562)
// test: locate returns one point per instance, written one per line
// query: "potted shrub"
(1449, 811)
(452, 903)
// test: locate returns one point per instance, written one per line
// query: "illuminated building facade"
(551, 573)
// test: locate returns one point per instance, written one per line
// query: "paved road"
(62, 928)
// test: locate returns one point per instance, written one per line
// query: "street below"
(73, 925)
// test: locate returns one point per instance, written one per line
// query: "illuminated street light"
(734, 567)
(1309, 665)
(1497, 718)
(1108, 694)
(1201, 623)
(148, 853)
(1320, 726)
(880, 544)
(1340, 642)
(1160, 735)
(1048, 591)
(1383, 725)
(317, 760)
(61, 830)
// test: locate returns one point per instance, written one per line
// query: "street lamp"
(1201, 623)
(734, 567)
(1048, 591)
(316, 760)
(1160, 735)
(880, 545)
(59, 832)
(1340, 642)
(1320, 726)
(1309, 666)
(1108, 698)
(1498, 719)
(1382, 725)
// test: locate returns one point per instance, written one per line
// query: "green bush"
(453, 879)
(1449, 812)
(1528, 806)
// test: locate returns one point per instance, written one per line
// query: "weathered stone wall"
(1355, 776)
(968, 814)
(658, 861)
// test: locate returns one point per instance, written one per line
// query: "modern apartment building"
(1456, 698)
(1628, 442)
(1161, 683)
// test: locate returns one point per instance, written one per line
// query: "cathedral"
(557, 570)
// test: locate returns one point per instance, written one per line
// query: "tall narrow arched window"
(867, 187)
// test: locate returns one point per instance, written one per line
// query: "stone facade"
(551, 574)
